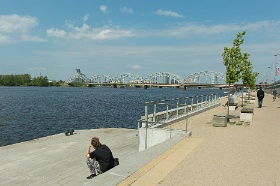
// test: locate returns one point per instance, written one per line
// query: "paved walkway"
(232, 155)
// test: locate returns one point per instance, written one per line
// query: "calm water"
(32, 112)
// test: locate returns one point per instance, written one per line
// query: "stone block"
(219, 121)
(247, 117)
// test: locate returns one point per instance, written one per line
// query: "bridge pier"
(145, 86)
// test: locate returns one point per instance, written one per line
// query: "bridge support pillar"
(184, 87)
(114, 85)
(145, 86)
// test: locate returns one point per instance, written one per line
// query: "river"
(28, 113)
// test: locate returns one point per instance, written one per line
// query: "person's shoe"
(91, 176)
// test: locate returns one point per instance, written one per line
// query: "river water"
(28, 113)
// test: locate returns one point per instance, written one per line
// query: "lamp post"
(276, 68)
(269, 75)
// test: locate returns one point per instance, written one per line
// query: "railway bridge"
(158, 79)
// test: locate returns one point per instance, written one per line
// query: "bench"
(246, 114)
(219, 121)
(247, 110)
(233, 106)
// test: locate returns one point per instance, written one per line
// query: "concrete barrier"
(219, 121)
(247, 114)
(155, 136)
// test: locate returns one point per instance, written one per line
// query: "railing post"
(146, 126)
(215, 98)
(167, 116)
(177, 108)
(187, 121)
(191, 103)
(202, 103)
(196, 108)
(186, 105)
(155, 111)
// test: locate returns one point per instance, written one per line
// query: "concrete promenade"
(218, 156)
(232, 155)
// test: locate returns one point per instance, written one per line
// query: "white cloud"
(185, 30)
(15, 28)
(134, 67)
(87, 32)
(56, 33)
(168, 13)
(38, 68)
(113, 33)
(85, 18)
(4, 39)
(126, 10)
(17, 24)
(103, 8)
(26, 37)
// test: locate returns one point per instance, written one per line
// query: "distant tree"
(41, 81)
(15, 80)
(26, 79)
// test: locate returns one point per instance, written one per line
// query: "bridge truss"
(164, 77)
(78, 77)
(206, 77)
(203, 77)
(129, 78)
(101, 78)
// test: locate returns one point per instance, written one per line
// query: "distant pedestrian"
(260, 95)
(274, 93)
(99, 160)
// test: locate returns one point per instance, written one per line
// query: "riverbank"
(232, 155)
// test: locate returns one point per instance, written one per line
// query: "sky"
(111, 37)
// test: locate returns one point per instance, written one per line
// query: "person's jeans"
(93, 166)
(260, 102)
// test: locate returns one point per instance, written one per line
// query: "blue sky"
(112, 37)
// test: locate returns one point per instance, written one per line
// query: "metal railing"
(160, 113)
(175, 109)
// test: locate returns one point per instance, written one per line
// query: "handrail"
(179, 110)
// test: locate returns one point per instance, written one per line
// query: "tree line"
(27, 80)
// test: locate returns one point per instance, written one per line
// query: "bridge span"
(203, 79)
(154, 85)
(164, 78)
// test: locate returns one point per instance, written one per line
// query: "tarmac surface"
(232, 155)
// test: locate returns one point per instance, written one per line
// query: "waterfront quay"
(232, 155)
(60, 159)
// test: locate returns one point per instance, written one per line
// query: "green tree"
(233, 59)
(40, 81)
(26, 79)
(238, 65)
(248, 77)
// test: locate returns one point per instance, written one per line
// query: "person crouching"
(100, 159)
